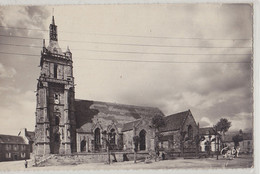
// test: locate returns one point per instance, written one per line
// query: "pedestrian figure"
(157, 154)
(163, 156)
(25, 164)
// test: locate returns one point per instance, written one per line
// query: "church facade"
(66, 125)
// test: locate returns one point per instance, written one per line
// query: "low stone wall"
(81, 158)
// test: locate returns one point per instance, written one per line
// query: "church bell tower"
(55, 119)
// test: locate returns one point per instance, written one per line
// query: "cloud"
(205, 122)
(18, 73)
(18, 113)
(6, 72)
(210, 90)
(242, 121)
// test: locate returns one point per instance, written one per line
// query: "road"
(180, 163)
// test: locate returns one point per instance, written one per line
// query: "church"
(65, 125)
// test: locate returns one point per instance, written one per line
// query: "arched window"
(142, 136)
(190, 132)
(97, 138)
(112, 137)
(55, 70)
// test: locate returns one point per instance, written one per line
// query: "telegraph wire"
(158, 61)
(125, 35)
(161, 53)
(155, 45)
(131, 60)
(18, 45)
(19, 28)
(125, 44)
(24, 37)
(135, 52)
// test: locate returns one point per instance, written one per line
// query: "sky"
(171, 56)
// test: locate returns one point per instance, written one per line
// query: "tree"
(237, 138)
(157, 122)
(198, 138)
(136, 140)
(240, 131)
(223, 125)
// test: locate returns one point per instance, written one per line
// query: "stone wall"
(82, 158)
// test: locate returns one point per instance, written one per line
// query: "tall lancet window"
(55, 70)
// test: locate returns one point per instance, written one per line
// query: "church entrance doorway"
(83, 146)
(142, 135)
(15, 157)
(97, 139)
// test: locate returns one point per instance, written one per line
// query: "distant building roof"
(207, 131)
(11, 139)
(247, 136)
(30, 135)
(86, 110)
(129, 126)
(174, 121)
(229, 136)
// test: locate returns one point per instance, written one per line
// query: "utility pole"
(108, 155)
(108, 152)
(217, 140)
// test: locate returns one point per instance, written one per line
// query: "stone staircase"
(38, 160)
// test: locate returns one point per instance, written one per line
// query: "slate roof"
(129, 126)
(174, 121)
(11, 139)
(30, 135)
(86, 128)
(86, 110)
(207, 131)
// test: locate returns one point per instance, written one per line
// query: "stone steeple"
(53, 44)
(55, 120)
(53, 31)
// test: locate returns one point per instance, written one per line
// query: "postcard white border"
(256, 47)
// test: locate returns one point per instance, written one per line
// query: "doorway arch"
(142, 136)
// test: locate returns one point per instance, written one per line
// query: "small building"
(246, 146)
(179, 133)
(212, 139)
(28, 137)
(13, 148)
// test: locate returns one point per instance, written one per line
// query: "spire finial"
(68, 49)
(43, 44)
(53, 22)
